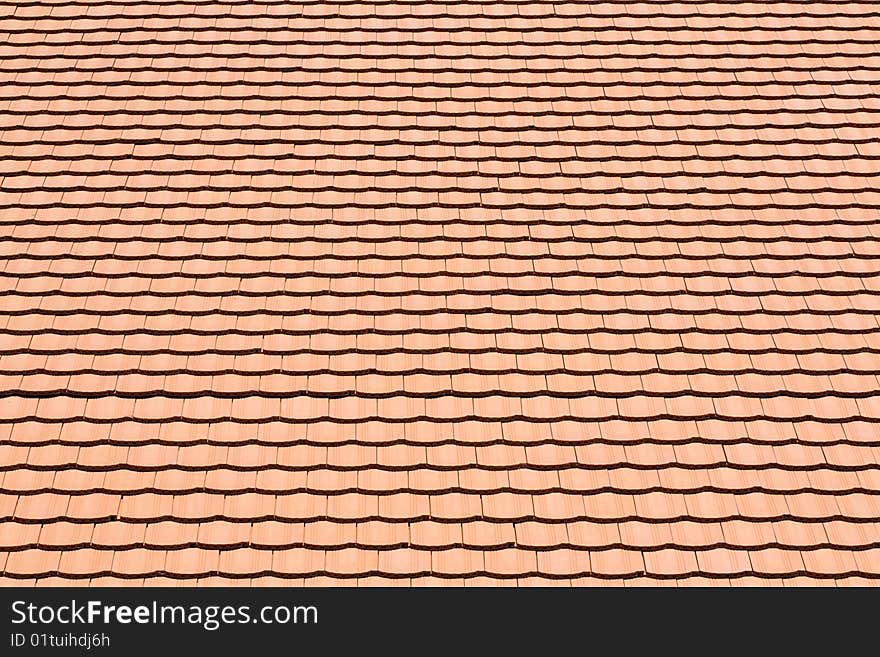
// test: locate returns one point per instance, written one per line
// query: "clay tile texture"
(461, 293)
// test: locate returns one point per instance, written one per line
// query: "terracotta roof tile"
(461, 301)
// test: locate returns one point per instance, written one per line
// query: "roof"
(459, 293)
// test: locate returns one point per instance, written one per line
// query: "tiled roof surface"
(395, 291)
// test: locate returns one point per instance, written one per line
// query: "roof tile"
(517, 313)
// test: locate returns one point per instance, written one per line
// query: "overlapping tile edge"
(408, 293)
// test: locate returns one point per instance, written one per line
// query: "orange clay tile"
(432, 320)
